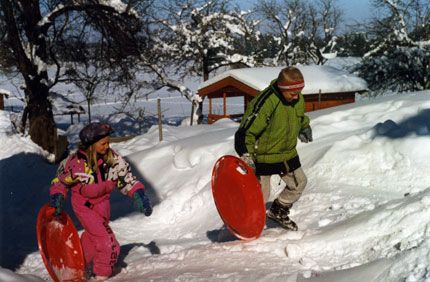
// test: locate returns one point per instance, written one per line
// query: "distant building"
(325, 87)
(3, 94)
(61, 105)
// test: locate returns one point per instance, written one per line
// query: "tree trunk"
(42, 126)
(89, 110)
(199, 109)
(39, 109)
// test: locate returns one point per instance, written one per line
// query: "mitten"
(305, 135)
(57, 201)
(142, 203)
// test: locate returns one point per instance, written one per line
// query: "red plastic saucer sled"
(59, 246)
(238, 197)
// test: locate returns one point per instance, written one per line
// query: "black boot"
(279, 213)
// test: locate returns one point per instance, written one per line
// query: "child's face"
(291, 95)
(102, 146)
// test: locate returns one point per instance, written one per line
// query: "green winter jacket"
(270, 127)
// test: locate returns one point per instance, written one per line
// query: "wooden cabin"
(3, 94)
(62, 106)
(325, 87)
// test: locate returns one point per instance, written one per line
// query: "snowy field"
(174, 107)
(364, 216)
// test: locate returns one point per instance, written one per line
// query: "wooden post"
(160, 124)
(210, 110)
(71, 118)
(319, 99)
(192, 113)
(224, 97)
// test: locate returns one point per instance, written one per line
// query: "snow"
(328, 79)
(364, 216)
(329, 56)
(12, 143)
(5, 92)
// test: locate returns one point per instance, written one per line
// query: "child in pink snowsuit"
(91, 174)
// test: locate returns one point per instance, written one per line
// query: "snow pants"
(98, 242)
(296, 182)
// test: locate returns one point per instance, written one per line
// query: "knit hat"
(93, 132)
(290, 78)
(291, 85)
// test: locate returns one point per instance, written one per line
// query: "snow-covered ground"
(364, 216)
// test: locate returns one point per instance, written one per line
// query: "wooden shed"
(62, 106)
(3, 94)
(325, 87)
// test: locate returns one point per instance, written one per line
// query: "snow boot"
(225, 235)
(279, 213)
(88, 272)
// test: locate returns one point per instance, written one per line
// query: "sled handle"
(241, 169)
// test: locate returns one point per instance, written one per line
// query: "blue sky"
(354, 10)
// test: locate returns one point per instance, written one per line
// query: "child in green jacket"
(267, 140)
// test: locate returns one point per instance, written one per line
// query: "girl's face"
(102, 146)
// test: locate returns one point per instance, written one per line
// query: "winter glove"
(248, 160)
(305, 135)
(57, 201)
(142, 203)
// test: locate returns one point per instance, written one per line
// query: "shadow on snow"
(20, 204)
(418, 124)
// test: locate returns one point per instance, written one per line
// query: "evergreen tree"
(399, 59)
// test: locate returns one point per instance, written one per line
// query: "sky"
(364, 215)
(354, 9)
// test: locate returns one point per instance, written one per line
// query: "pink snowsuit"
(91, 203)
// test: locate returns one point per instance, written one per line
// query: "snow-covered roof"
(325, 78)
(4, 92)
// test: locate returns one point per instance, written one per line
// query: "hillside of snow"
(364, 216)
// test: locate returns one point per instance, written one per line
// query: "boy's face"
(291, 95)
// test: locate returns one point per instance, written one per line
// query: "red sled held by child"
(60, 246)
(238, 197)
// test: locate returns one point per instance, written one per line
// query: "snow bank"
(10, 276)
(364, 215)
(12, 143)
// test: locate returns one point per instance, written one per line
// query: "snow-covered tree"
(400, 58)
(202, 36)
(196, 37)
(326, 17)
(287, 24)
(303, 32)
(35, 31)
